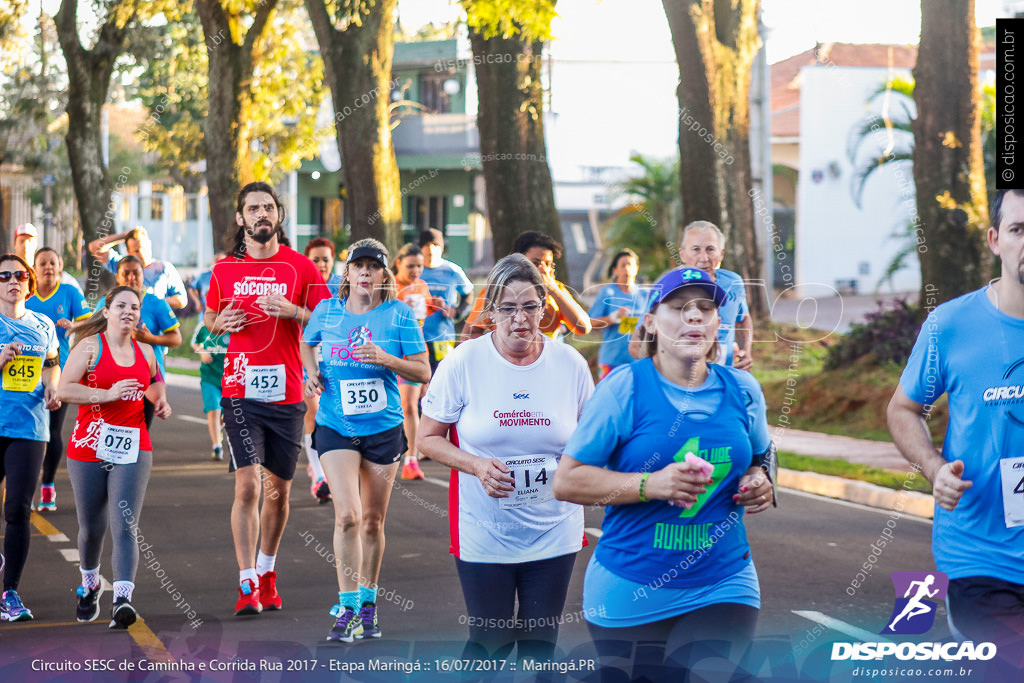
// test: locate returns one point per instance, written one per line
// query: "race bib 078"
(118, 445)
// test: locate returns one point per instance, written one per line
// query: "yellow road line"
(36, 624)
(149, 643)
(43, 525)
(154, 650)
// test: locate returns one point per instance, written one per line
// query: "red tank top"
(125, 412)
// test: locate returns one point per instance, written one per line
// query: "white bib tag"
(1012, 471)
(532, 476)
(264, 383)
(362, 396)
(118, 445)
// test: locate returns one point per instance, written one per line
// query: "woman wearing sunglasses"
(514, 396)
(29, 362)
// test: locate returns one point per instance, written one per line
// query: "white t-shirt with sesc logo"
(523, 415)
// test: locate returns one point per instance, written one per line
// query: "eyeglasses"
(19, 275)
(509, 310)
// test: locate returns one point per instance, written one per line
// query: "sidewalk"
(880, 454)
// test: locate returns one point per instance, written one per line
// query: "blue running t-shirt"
(361, 399)
(974, 353)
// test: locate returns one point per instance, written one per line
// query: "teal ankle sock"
(367, 595)
(349, 600)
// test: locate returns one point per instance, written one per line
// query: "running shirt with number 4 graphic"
(360, 398)
(266, 349)
(23, 413)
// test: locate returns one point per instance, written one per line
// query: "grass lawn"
(841, 468)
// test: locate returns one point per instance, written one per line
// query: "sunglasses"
(19, 275)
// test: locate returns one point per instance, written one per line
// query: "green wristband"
(643, 486)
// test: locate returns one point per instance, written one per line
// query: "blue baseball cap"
(686, 277)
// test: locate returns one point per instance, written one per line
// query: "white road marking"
(856, 506)
(596, 533)
(57, 538)
(70, 554)
(196, 420)
(436, 482)
(841, 626)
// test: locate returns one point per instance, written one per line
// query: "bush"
(888, 335)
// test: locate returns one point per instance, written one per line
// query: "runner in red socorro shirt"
(110, 456)
(262, 294)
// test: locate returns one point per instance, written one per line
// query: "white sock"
(249, 574)
(265, 563)
(90, 578)
(123, 589)
(314, 460)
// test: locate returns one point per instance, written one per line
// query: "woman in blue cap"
(678, 449)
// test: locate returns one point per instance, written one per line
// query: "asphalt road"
(808, 554)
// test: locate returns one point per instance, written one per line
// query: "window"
(429, 212)
(432, 94)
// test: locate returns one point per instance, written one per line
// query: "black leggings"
(659, 650)
(55, 447)
(490, 590)
(20, 460)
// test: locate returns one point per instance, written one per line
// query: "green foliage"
(278, 126)
(645, 225)
(530, 19)
(888, 335)
(11, 12)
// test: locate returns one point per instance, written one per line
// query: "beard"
(258, 234)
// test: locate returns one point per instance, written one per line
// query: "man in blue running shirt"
(702, 245)
(972, 349)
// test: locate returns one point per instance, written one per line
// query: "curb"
(872, 495)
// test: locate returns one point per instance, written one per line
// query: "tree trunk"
(715, 43)
(89, 74)
(948, 171)
(520, 194)
(357, 64)
(230, 73)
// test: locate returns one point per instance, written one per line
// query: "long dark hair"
(97, 322)
(238, 250)
(615, 261)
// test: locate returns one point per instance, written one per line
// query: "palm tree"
(646, 224)
(884, 139)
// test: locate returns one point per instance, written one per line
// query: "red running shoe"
(270, 599)
(248, 599)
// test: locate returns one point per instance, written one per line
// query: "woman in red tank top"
(110, 455)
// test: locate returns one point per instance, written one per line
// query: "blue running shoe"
(12, 609)
(346, 628)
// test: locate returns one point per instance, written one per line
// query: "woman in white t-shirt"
(513, 398)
